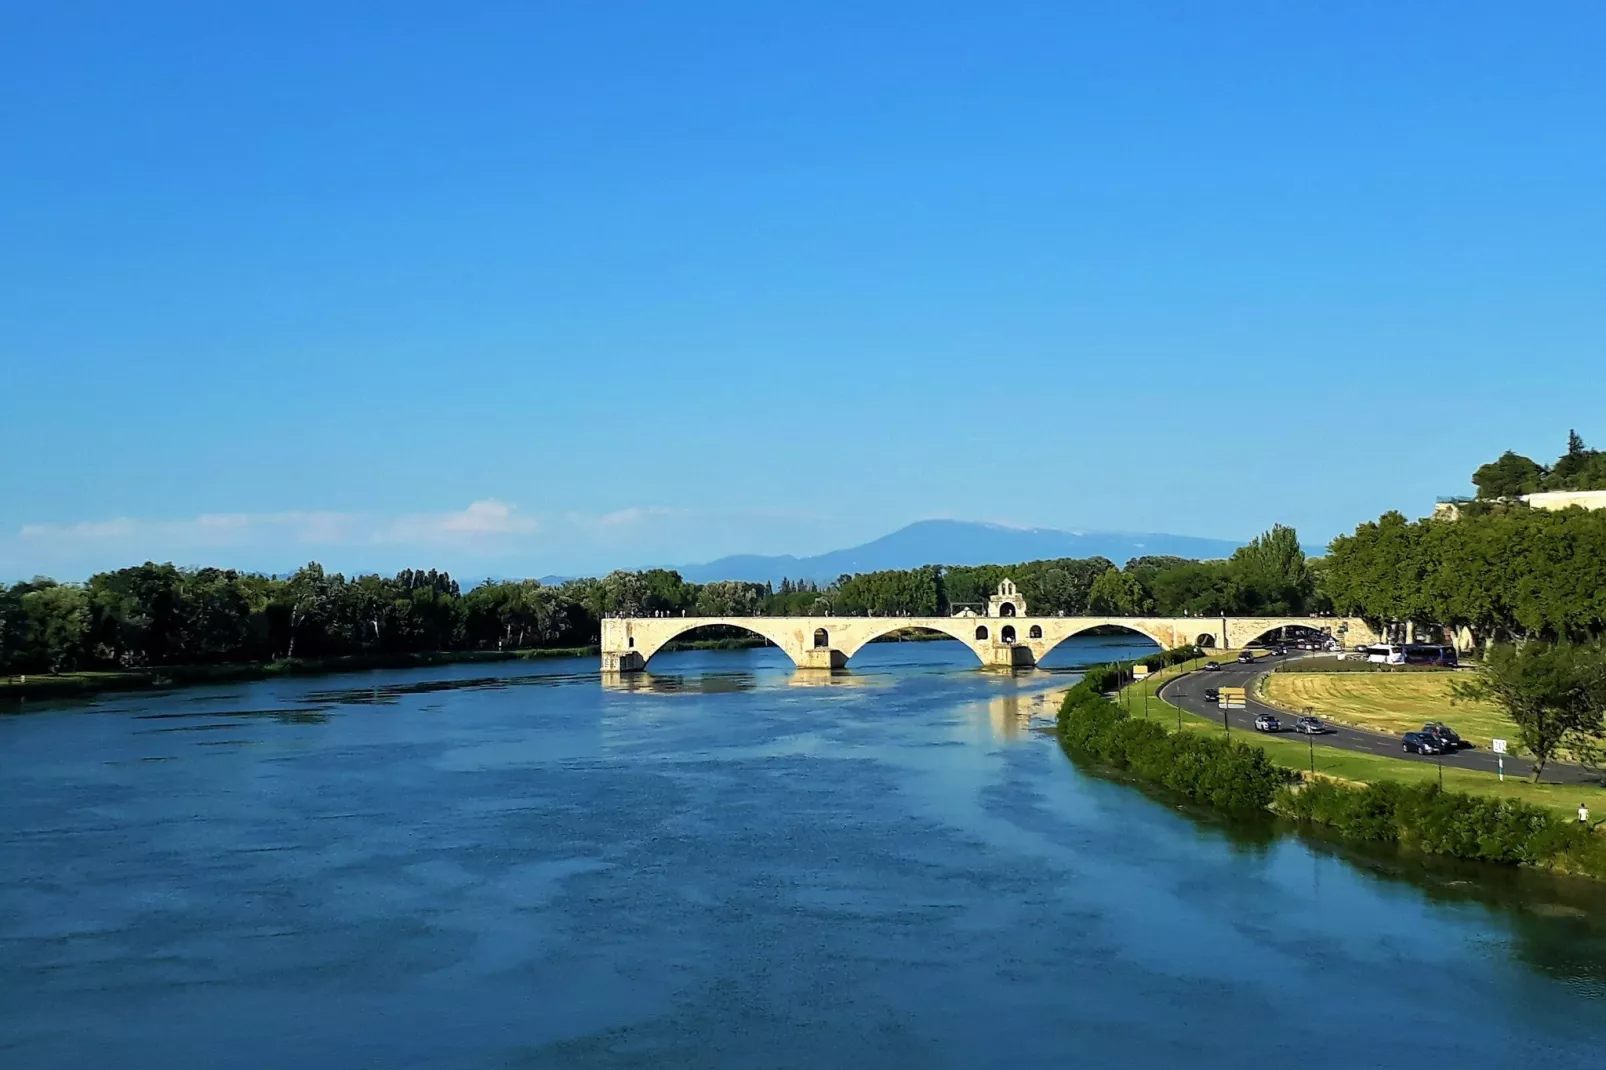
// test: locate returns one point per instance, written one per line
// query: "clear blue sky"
(525, 288)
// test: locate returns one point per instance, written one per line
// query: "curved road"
(1188, 692)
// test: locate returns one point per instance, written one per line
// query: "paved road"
(1188, 692)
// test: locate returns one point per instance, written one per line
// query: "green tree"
(1119, 594)
(310, 596)
(13, 628)
(1510, 476)
(57, 625)
(1580, 468)
(893, 592)
(1271, 574)
(729, 598)
(1195, 589)
(1555, 694)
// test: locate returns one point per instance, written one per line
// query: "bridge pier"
(819, 658)
(623, 661)
(1007, 656)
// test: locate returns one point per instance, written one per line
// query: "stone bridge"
(1000, 639)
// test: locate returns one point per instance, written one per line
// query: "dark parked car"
(1443, 733)
(1265, 722)
(1246, 658)
(1422, 743)
(1311, 726)
(1212, 694)
(1211, 666)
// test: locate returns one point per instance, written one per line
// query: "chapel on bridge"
(1007, 602)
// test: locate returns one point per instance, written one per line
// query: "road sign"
(1232, 698)
(1139, 671)
(1499, 746)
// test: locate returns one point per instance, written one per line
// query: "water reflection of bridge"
(1010, 715)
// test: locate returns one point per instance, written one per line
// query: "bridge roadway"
(1007, 641)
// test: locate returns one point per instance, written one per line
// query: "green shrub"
(1452, 823)
(1230, 776)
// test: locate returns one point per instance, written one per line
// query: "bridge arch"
(1305, 629)
(1043, 648)
(870, 629)
(664, 636)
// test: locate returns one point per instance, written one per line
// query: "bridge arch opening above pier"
(1125, 642)
(1289, 633)
(716, 634)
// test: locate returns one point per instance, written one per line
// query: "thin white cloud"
(121, 527)
(208, 529)
(634, 514)
(477, 523)
(483, 519)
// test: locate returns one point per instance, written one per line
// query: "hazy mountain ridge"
(955, 542)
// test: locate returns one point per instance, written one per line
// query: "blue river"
(722, 863)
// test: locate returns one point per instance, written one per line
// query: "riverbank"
(1363, 797)
(19, 688)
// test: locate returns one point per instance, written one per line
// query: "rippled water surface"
(721, 864)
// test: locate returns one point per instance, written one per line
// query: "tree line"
(1529, 585)
(1513, 475)
(154, 615)
(1504, 575)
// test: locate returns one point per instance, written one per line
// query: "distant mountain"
(955, 542)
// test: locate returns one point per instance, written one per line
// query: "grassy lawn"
(1295, 753)
(1388, 702)
(1392, 703)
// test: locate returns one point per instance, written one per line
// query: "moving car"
(1246, 658)
(1311, 726)
(1212, 694)
(1444, 734)
(1265, 722)
(1281, 651)
(1421, 742)
(1212, 666)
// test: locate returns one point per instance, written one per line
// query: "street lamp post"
(1310, 737)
